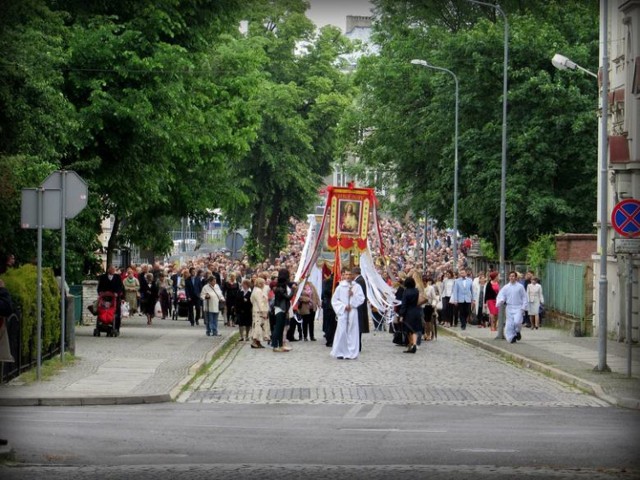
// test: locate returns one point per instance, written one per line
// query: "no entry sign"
(625, 218)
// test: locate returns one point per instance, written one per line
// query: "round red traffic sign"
(625, 218)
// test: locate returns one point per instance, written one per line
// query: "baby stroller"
(106, 312)
(182, 305)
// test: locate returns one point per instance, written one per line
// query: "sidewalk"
(149, 364)
(145, 364)
(568, 359)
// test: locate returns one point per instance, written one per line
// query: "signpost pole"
(40, 193)
(63, 240)
(629, 311)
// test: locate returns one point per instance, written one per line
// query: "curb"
(524, 362)
(193, 370)
(83, 401)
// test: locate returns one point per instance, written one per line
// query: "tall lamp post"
(425, 64)
(503, 176)
(563, 63)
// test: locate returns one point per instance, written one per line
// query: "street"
(450, 411)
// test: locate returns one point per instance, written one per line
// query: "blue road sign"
(625, 218)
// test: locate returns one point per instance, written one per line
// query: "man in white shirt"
(514, 296)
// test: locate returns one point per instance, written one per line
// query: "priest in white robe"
(345, 301)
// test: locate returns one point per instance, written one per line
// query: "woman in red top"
(490, 294)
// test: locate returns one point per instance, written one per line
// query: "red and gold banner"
(349, 217)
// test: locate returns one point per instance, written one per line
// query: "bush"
(22, 285)
(539, 252)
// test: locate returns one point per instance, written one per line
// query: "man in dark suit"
(190, 292)
(110, 282)
(329, 322)
(175, 284)
(363, 310)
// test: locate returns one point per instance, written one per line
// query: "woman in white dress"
(535, 297)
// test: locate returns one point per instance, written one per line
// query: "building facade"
(622, 157)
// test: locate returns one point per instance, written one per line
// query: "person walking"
(149, 293)
(490, 295)
(328, 315)
(231, 288)
(514, 297)
(429, 309)
(281, 306)
(411, 314)
(131, 291)
(480, 310)
(244, 309)
(211, 296)
(307, 305)
(446, 292)
(190, 293)
(164, 287)
(260, 314)
(347, 297)
(462, 297)
(535, 297)
(110, 282)
(363, 308)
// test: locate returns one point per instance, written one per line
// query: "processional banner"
(349, 217)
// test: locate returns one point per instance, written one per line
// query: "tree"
(408, 114)
(302, 99)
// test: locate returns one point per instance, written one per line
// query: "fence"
(567, 289)
(23, 360)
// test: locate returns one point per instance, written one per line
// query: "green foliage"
(22, 285)
(488, 250)
(540, 251)
(407, 112)
(301, 100)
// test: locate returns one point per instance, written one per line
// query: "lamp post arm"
(589, 72)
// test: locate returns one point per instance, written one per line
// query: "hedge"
(22, 285)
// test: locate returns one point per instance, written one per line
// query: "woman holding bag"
(211, 296)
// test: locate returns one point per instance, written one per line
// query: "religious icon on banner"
(349, 217)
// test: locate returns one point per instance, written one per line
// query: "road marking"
(403, 430)
(374, 411)
(485, 450)
(353, 411)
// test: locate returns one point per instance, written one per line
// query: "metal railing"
(564, 287)
(23, 360)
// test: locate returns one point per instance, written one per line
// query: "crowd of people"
(257, 298)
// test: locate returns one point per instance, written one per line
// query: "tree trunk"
(112, 243)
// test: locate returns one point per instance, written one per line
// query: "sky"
(334, 12)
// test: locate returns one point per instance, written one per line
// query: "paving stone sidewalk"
(569, 359)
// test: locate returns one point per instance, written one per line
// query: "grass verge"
(49, 368)
(220, 353)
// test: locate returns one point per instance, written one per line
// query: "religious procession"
(344, 273)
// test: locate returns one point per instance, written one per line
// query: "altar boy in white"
(345, 301)
(515, 298)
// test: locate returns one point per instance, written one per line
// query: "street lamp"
(503, 176)
(425, 64)
(562, 62)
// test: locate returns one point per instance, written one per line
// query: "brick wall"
(575, 247)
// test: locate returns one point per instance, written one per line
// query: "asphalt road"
(322, 441)
(448, 412)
